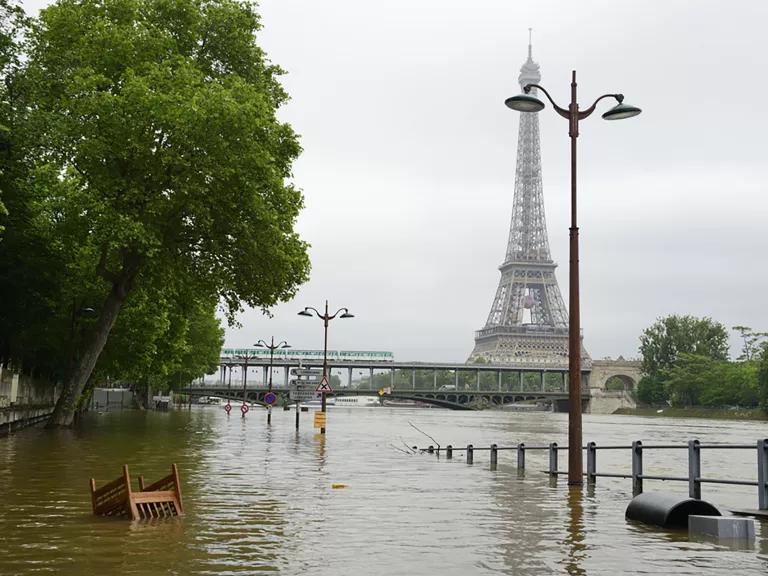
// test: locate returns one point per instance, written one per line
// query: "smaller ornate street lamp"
(245, 357)
(326, 318)
(272, 347)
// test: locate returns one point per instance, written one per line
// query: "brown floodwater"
(260, 499)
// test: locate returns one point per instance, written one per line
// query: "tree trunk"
(64, 412)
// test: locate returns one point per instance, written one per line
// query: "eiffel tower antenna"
(530, 30)
(528, 322)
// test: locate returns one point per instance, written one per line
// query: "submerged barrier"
(694, 448)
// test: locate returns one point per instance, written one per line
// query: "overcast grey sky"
(409, 160)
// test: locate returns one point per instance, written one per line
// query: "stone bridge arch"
(628, 371)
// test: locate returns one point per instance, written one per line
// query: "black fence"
(637, 474)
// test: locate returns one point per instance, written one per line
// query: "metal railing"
(693, 449)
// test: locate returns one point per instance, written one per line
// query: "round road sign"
(227, 408)
(270, 398)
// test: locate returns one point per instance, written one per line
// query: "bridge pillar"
(499, 375)
(520, 379)
(286, 377)
(371, 380)
(264, 371)
(349, 377)
(456, 379)
(434, 379)
(413, 378)
(477, 380)
(391, 378)
(541, 380)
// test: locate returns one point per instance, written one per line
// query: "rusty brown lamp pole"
(527, 103)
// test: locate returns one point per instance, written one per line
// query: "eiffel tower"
(528, 322)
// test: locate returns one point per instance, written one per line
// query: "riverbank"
(698, 412)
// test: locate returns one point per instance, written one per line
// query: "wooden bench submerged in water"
(159, 500)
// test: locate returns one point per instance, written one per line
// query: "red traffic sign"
(324, 387)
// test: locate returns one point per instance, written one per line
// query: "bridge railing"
(693, 449)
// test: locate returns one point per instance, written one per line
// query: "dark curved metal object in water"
(667, 510)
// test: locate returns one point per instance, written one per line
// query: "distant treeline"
(686, 363)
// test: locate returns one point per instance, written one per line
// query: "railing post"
(553, 459)
(762, 474)
(494, 456)
(431, 449)
(449, 452)
(470, 454)
(521, 456)
(591, 462)
(637, 467)
(694, 469)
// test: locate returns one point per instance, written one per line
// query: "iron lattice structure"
(528, 321)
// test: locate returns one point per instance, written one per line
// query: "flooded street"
(260, 500)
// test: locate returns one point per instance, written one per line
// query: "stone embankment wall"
(24, 400)
(608, 401)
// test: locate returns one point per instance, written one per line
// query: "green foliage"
(149, 180)
(13, 27)
(762, 378)
(701, 381)
(667, 338)
(650, 390)
(752, 341)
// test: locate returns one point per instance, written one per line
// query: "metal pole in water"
(448, 452)
(521, 456)
(553, 459)
(762, 473)
(494, 456)
(470, 454)
(591, 462)
(694, 469)
(637, 467)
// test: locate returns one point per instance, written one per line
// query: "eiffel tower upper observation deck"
(528, 321)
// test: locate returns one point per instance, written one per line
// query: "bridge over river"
(457, 386)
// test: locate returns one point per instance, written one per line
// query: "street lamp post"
(527, 103)
(326, 318)
(245, 357)
(272, 347)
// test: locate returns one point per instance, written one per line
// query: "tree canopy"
(157, 177)
(668, 337)
(685, 363)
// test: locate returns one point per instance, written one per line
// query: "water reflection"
(576, 549)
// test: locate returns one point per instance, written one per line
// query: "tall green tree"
(161, 115)
(750, 342)
(13, 27)
(762, 377)
(662, 343)
(667, 338)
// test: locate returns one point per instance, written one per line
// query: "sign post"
(323, 388)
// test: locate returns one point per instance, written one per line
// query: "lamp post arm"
(584, 113)
(562, 111)
(337, 313)
(313, 310)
